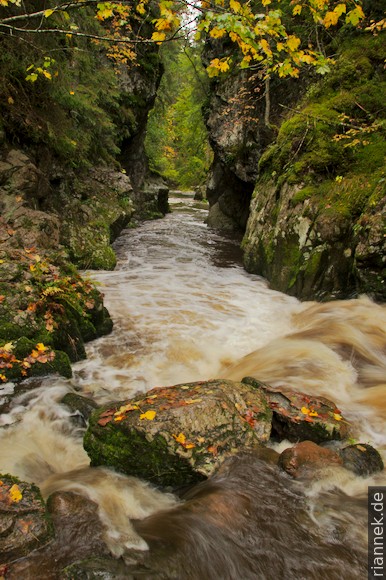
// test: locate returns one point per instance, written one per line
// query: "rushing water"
(185, 310)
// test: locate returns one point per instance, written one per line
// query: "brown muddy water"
(185, 310)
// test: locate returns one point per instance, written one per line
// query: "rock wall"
(239, 132)
(317, 222)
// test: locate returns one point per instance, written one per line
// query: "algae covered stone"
(177, 435)
(300, 417)
(24, 524)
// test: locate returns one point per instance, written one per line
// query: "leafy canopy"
(256, 30)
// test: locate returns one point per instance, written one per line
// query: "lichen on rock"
(176, 435)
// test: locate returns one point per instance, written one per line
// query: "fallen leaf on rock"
(337, 417)
(107, 413)
(180, 438)
(149, 415)
(15, 493)
(305, 411)
(361, 448)
(313, 414)
(104, 420)
(126, 409)
(24, 526)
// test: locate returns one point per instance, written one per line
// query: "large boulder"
(177, 435)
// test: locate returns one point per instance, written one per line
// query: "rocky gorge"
(299, 167)
(261, 470)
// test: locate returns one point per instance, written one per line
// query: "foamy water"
(184, 310)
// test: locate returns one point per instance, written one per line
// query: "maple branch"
(123, 40)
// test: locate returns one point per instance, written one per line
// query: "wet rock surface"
(177, 435)
(306, 457)
(78, 535)
(24, 525)
(297, 416)
(362, 459)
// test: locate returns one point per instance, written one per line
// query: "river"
(185, 310)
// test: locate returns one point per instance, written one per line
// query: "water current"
(185, 310)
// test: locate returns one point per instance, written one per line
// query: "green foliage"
(177, 142)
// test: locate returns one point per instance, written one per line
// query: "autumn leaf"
(158, 36)
(305, 411)
(7, 347)
(15, 494)
(213, 449)
(103, 421)
(313, 414)
(192, 401)
(337, 417)
(24, 526)
(149, 415)
(41, 348)
(182, 440)
(126, 408)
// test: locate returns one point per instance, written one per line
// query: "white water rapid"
(185, 310)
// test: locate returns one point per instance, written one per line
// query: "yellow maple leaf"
(15, 493)
(330, 19)
(337, 417)
(158, 36)
(217, 32)
(297, 9)
(149, 415)
(7, 347)
(313, 414)
(235, 6)
(224, 65)
(293, 42)
(41, 348)
(180, 438)
(305, 411)
(141, 8)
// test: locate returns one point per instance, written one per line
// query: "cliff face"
(72, 166)
(62, 138)
(317, 219)
(241, 125)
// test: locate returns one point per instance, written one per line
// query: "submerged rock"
(299, 417)
(362, 459)
(307, 456)
(24, 525)
(177, 435)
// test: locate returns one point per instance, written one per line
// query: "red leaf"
(108, 413)
(103, 422)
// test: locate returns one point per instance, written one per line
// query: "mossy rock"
(177, 435)
(25, 525)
